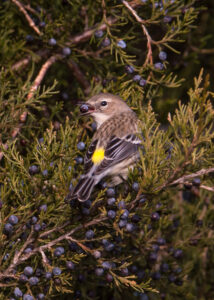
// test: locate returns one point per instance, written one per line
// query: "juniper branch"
(28, 18)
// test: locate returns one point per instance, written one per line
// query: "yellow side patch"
(98, 156)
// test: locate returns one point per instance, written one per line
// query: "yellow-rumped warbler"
(114, 147)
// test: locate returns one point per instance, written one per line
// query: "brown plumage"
(114, 147)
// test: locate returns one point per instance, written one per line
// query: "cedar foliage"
(166, 250)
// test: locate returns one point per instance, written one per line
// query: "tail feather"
(83, 189)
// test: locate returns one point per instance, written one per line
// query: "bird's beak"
(86, 108)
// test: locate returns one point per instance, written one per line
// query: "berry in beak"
(86, 108)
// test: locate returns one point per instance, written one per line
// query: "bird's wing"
(117, 150)
(87, 160)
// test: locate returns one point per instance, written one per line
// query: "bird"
(114, 148)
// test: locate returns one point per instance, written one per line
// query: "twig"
(25, 61)
(74, 40)
(19, 258)
(32, 10)
(184, 178)
(79, 76)
(42, 73)
(149, 57)
(29, 19)
(208, 188)
(34, 87)
(44, 257)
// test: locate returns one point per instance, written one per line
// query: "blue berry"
(87, 204)
(98, 33)
(122, 204)
(121, 44)
(135, 186)
(85, 211)
(94, 126)
(17, 293)
(13, 220)
(45, 173)
(164, 267)
(65, 96)
(59, 251)
(179, 282)
(106, 265)
(37, 227)
(177, 270)
(162, 55)
(178, 253)
(125, 214)
(89, 234)
(41, 140)
(155, 216)
(28, 250)
(110, 192)
(81, 146)
(141, 274)
(159, 66)
(97, 254)
(158, 206)
(196, 181)
(66, 51)
(99, 271)
(106, 42)
(167, 19)
(33, 170)
(109, 277)
(42, 24)
(84, 108)
(48, 275)
(8, 228)
(56, 271)
(143, 296)
(142, 199)
(111, 214)
(79, 160)
(105, 242)
(171, 278)
(52, 42)
(161, 241)
(153, 256)
(156, 275)
(28, 271)
(70, 187)
(29, 38)
(43, 207)
(124, 272)
(129, 69)
(40, 296)
(33, 280)
(70, 265)
(135, 219)
(23, 278)
(111, 201)
(109, 247)
(130, 227)
(133, 269)
(142, 82)
(27, 297)
(155, 247)
(137, 78)
(39, 272)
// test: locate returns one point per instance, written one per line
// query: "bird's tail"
(83, 189)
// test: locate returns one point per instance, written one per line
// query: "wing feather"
(117, 150)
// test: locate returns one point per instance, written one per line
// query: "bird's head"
(103, 106)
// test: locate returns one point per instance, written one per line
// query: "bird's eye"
(104, 103)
